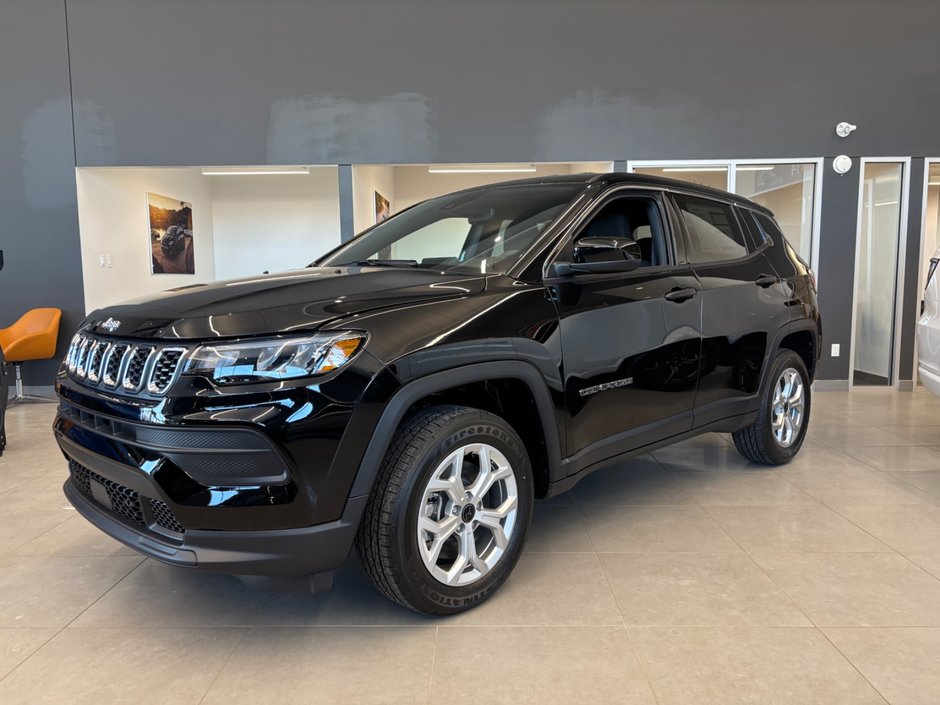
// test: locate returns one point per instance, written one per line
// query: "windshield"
(484, 230)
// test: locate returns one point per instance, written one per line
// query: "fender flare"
(406, 396)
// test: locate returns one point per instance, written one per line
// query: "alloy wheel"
(788, 407)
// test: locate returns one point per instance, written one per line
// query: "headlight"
(274, 359)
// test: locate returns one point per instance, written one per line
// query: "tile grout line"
(228, 659)
(437, 634)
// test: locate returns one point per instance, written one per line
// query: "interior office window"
(632, 218)
(713, 230)
(788, 190)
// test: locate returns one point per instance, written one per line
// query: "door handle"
(679, 294)
(765, 280)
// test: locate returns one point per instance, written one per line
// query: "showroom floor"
(689, 577)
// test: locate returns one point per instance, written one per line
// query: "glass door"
(876, 272)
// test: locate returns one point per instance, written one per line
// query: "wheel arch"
(518, 386)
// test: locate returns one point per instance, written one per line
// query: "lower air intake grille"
(125, 502)
(162, 516)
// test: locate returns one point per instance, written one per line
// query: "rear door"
(744, 304)
(630, 340)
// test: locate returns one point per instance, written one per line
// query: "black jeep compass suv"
(414, 390)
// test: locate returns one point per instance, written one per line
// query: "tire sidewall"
(430, 594)
(785, 359)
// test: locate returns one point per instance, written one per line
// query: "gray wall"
(38, 216)
(361, 81)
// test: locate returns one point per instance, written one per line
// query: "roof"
(622, 177)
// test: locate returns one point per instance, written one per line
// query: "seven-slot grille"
(123, 366)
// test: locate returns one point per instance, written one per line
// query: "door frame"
(732, 164)
(900, 254)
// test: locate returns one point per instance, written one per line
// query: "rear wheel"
(447, 519)
(778, 432)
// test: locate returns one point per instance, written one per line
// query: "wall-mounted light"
(255, 171)
(844, 129)
(842, 164)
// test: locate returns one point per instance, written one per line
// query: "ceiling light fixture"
(887, 203)
(695, 168)
(933, 183)
(747, 167)
(255, 171)
(482, 170)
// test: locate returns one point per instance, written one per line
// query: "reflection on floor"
(684, 577)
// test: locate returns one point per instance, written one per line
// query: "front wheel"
(777, 434)
(449, 512)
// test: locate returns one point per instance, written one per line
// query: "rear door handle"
(679, 294)
(765, 280)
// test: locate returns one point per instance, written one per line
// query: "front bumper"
(281, 552)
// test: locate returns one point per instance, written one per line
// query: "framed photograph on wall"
(383, 208)
(171, 235)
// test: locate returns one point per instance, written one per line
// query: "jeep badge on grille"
(111, 325)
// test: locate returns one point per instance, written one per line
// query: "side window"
(714, 233)
(636, 218)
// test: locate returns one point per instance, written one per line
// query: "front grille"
(164, 369)
(125, 502)
(145, 369)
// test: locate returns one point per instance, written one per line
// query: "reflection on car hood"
(277, 303)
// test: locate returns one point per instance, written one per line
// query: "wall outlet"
(835, 350)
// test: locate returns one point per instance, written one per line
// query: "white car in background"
(928, 331)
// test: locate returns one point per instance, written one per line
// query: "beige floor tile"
(925, 480)
(926, 435)
(511, 665)
(838, 488)
(854, 437)
(140, 666)
(898, 458)
(914, 529)
(696, 589)
(549, 589)
(902, 663)
(175, 597)
(655, 529)
(928, 561)
(45, 591)
(326, 665)
(353, 601)
(17, 644)
(751, 487)
(74, 537)
(803, 528)
(856, 589)
(643, 482)
(683, 458)
(748, 666)
(557, 529)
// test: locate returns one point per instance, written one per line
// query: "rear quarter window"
(714, 232)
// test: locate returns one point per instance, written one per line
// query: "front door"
(630, 341)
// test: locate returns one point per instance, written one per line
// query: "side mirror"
(600, 255)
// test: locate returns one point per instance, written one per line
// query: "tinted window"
(632, 218)
(714, 233)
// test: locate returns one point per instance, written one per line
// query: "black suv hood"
(290, 301)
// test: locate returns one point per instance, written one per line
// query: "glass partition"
(877, 272)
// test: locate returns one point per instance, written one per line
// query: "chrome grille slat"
(144, 368)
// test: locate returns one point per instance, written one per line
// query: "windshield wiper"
(386, 263)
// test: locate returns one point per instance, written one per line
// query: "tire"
(759, 442)
(398, 558)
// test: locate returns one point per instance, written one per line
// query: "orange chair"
(32, 337)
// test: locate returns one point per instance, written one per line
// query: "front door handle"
(679, 294)
(765, 280)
